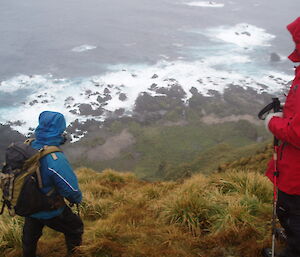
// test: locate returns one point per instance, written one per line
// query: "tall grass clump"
(229, 206)
(221, 215)
(10, 234)
(244, 183)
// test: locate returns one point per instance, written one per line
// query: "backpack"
(20, 180)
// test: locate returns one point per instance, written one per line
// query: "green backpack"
(20, 180)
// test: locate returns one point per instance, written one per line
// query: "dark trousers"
(67, 223)
(288, 212)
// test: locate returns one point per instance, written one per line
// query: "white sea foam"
(205, 4)
(63, 95)
(242, 35)
(83, 48)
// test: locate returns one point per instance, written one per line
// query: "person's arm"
(288, 129)
(64, 179)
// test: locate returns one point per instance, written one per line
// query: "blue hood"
(50, 129)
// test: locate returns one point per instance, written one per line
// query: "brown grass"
(223, 215)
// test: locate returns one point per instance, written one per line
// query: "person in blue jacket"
(57, 175)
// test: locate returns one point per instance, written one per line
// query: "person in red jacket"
(285, 126)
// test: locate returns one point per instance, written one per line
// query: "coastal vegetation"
(226, 213)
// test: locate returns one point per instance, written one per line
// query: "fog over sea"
(53, 50)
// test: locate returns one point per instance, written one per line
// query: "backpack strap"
(49, 150)
(33, 164)
(28, 141)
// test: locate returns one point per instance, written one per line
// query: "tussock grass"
(10, 234)
(225, 214)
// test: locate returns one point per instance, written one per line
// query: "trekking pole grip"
(276, 108)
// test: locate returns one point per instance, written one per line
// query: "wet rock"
(86, 110)
(274, 57)
(174, 91)
(122, 97)
(73, 111)
(16, 123)
(153, 87)
(33, 102)
(120, 111)
(246, 33)
(194, 90)
(104, 99)
(106, 91)
(88, 92)
(170, 80)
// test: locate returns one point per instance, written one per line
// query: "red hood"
(294, 29)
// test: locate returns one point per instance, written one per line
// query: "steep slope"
(221, 215)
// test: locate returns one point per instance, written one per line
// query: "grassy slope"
(159, 146)
(224, 214)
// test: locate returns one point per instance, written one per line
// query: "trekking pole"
(276, 108)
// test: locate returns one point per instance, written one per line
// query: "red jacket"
(287, 129)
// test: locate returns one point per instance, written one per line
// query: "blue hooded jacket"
(56, 173)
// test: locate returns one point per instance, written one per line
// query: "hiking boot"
(266, 252)
(281, 235)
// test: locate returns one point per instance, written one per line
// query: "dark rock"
(153, 86)
(246, 33)
(194, 90)
(155, 76)
(16, 123)
(106, 91)
(274, 57)
(33, 102)
(86, 110)
(122, 97)
(175, 91)
(73, 111)
(170, 79)
(103, 99)
(120, 111)
(69, 99)
(88, 92)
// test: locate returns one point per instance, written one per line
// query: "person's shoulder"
(56, 159)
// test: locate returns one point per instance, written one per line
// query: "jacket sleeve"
(64, 179)
(287, 129)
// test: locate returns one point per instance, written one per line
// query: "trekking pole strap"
(274, 105)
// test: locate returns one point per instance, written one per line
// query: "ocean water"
(54, 51)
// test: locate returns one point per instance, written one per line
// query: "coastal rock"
(104, 99)
(274, 57)
(86, 110)
(122, 97)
